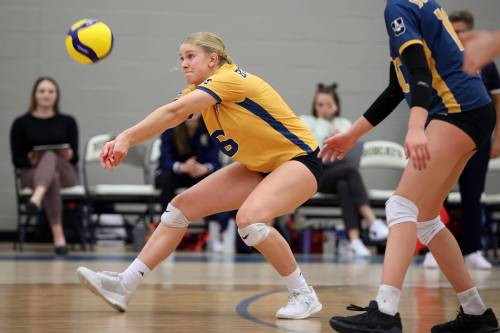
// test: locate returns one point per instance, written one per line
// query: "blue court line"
(243, 258)
(242, 310)
(248, 258)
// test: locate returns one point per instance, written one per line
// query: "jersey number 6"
(228, 146)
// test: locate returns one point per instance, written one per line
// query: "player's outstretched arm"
(166, 116)
(337, 146)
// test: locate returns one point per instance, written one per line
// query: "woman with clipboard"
(44, 147)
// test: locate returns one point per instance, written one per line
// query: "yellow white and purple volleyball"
(89, 41)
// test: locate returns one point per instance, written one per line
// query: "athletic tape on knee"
(174, 218)
(399, 210)
(427, 230)
(254, 234)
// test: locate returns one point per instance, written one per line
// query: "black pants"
(471, 182)
(168, 182)
(343, 178)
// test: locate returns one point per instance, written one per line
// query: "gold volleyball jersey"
(251, 123)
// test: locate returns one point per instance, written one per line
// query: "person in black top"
(46, 171)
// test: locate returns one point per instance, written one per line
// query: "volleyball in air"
(89, 41)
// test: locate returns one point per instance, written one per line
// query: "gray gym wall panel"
(293, 44)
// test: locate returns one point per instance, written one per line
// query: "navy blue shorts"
(312, 162)
(478, 123)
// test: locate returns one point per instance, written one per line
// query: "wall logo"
(398, 26)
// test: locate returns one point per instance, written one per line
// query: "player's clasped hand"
(336, 147)
(416, 148)
(114, 152)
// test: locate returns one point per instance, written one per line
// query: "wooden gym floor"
(194, 292)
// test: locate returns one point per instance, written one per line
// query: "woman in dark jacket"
(188, 155)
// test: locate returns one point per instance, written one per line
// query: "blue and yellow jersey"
(251, 122)
(425, 22)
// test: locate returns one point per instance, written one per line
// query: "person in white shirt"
(341, 177)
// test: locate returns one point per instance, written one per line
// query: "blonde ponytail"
(211, 43)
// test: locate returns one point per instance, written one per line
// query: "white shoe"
(430, 261)
(215, 246)
(359, 249)
(229, 238)
(477, 261)
(107, 285)
(378, 231)
(302, 303)
(214, 243)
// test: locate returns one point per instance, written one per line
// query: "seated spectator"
(188, 155)
(46, 171)
(340, 177)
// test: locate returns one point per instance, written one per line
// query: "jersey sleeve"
(185, 91)
(402, 23)
(225, 87)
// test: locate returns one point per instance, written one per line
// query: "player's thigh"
(450, 148)
(224, 190)
(279, 193)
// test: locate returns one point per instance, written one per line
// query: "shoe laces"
(295, 296)
(369, 312)
(462, 319)
(358, 308)
(112, 276)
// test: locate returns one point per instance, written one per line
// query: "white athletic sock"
(471, 302)
(388, 299)
(295, 280)
(133, 275)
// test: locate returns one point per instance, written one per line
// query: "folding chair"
(491, 200)
(73, 194)
(103, 198)
(385, 157)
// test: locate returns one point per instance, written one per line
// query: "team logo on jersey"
(241, 72)
(398, 26)
(207, 81)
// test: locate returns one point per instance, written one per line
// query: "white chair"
(489, 198)
(105, 195)
(133, 192)
(152, 160)
(492, 198)
(382, 155)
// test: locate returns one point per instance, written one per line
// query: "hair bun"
(334, 85)
(321, 86)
